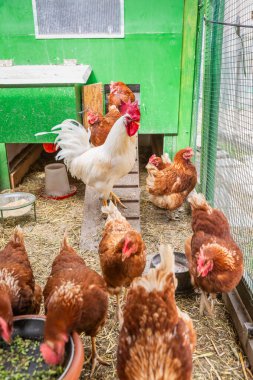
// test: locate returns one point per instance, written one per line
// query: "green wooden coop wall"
(157, 52)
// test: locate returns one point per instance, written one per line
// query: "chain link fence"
(223, 115)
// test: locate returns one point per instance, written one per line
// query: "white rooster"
(100, 167)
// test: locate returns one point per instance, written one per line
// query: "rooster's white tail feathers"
(156, 277)
(73, 139)
(112, 212)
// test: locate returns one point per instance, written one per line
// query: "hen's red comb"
(152, 158)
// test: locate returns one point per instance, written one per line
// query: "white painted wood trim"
(72, 36)
(44, 74)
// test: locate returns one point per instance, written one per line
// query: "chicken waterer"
(57, 183)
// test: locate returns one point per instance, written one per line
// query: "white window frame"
(84, 35)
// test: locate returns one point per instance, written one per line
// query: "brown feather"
(75, 296)
(227, 259)
(156, 340)
(17, 285)
(116, 272)
(169, 187)
(124, 94)
(101, 129)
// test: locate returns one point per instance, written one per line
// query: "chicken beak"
(8, 340)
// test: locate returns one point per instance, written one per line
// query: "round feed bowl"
(32, 327)
(7, 198)
(16, 204)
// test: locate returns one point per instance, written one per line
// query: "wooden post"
(4, 169)
(170, 145)
(93, 99)
(187, 73)
(211, 94)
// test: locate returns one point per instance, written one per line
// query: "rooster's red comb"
(132, 109)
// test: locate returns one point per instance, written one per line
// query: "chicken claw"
(105, 203)
(125, 294)
(204, 304)
(119, 313)
(213, 301)
(116, 199)
(94, 357)
(172, 215)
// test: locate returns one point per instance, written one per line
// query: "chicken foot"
(172, 215)
(104, 201)
(204, 305)
(213, 301)
(125, 294)
(116, 199)
(94, 357)
(119, 312)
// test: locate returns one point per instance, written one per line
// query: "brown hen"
(158, 163)
(156, 340)
(215, 260)
(122, 253)
(120, 93)
(76, 299)
(101, 125)
(207, 219)
(18, 292)
(169, 187)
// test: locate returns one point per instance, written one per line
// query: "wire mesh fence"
(224, 116)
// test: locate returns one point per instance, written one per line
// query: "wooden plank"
(135, 168)
(129, 180)
(29, 157)
(44, 74)
(240, 318)
(128, 194)
(131, 212)
(135, 223)
(93, 99)
(94, 220)
(20, 155)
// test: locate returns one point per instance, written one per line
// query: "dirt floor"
(217, 355)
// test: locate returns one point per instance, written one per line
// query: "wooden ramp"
(93, 221)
